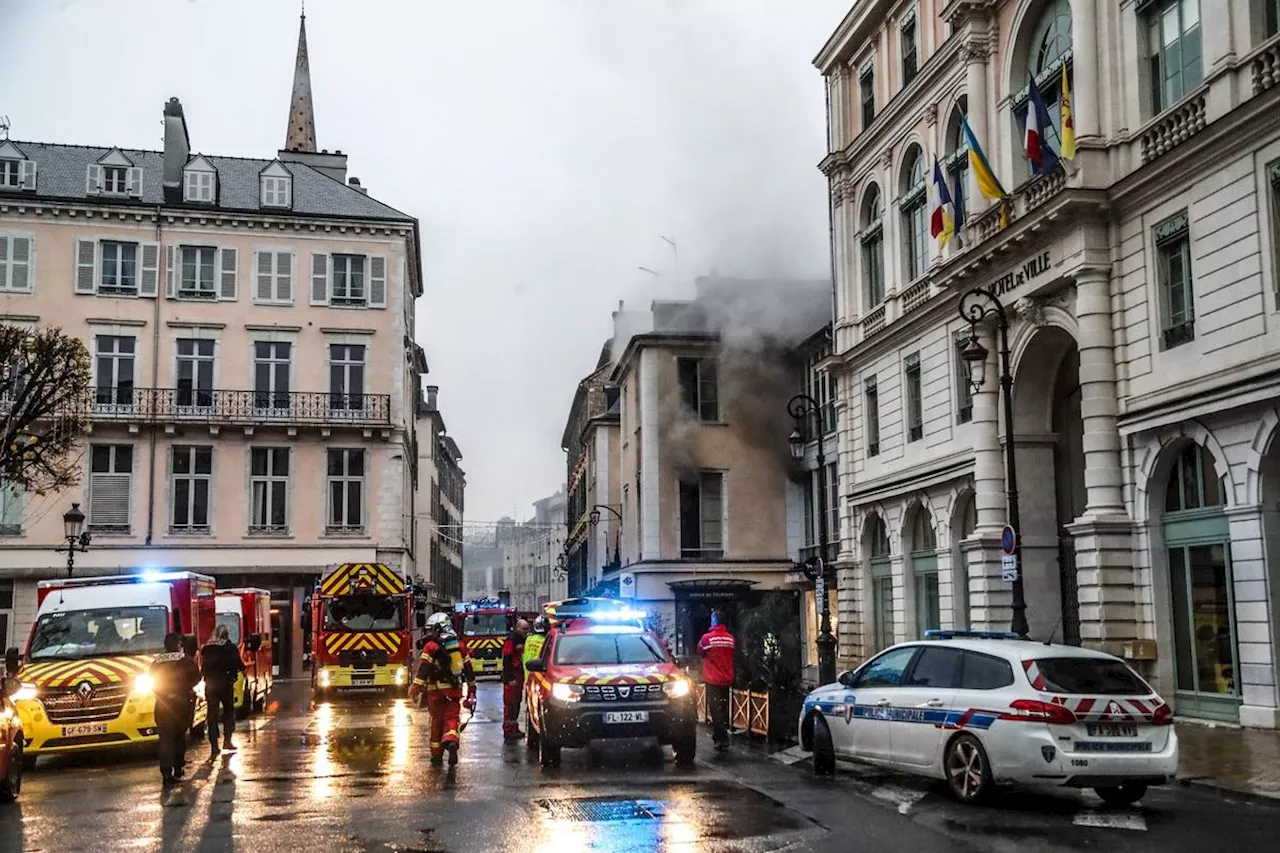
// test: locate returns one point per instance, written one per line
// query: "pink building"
(256, 385)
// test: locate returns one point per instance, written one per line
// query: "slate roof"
(61, 171)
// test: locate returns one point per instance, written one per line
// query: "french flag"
(1042, 156)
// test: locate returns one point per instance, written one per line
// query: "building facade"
(593, 508)
(532, 555)
(439, 502)
(250, 325)
(1139, 284)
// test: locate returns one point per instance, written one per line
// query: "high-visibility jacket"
(533, 648)
(716, 648)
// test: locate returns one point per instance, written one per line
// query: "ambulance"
(359, 621)
(247, 614)
(84, 679)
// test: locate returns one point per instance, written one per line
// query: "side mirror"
(254, 642)
(846, 678)
(536, 665)
(419, 619)
(12, 660)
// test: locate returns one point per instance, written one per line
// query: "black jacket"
(176, 676)
(221, 664)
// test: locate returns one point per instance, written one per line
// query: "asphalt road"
(352, 776)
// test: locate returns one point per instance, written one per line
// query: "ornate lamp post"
(976, 306)
(594, 519)
(801, 407)
(77, 537)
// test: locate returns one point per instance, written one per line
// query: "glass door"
(1204, 629)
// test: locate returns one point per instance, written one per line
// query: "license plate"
(84, 729)
(1111, 730)
(626, 717)
(362, 681)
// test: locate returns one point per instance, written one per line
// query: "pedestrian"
(221, 664)
(535, 641)
(445, 674)
(174, 678)
(513, 680)
(716, 650)
(189, 649)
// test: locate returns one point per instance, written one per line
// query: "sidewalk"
(1230, 758)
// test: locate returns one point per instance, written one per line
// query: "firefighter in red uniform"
(716, 649)
(513, 680)
(444, 674)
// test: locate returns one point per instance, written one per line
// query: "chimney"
(177, 149)
(354, 183)
(432, 391)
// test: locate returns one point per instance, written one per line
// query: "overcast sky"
(544, 145)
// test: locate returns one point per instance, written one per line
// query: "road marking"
(1111, 820)
(904, 798)
(793, 755)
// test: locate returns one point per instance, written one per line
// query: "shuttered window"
(192, 475)
(702, 516)
(269, 490)
(10, 174)
(273, 282)
(15, 263)
(276, 192)
(199, 186)
(346, 490)
(110, 486)
(197, 276)
(118, 269)
(349, 281)
(11, 496)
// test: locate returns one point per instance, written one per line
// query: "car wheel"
(1122, 795)
(11, 784)
(548, 753)
(28, 761)
(968, 771)
(824, 751)
(530, 735)
(686, 748)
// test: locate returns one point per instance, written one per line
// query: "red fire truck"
(483, 626)
(360, 629)
(247, 614)
(84, 680)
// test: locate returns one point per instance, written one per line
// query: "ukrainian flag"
(988, 183)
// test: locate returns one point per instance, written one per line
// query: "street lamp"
(801, 407)
(976, 306)
(77, 537)
(594, 518)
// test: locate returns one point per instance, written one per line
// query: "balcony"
(234, 408)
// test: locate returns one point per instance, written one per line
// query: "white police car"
(982, 709)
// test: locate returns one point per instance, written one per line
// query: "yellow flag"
(1068, 123)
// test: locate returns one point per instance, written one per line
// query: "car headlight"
(566, 692)
(144, 684)
(26, 691)
(676, 688)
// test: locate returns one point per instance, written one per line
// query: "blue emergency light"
(970, 635)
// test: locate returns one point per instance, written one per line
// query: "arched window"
(1047, 52)
(873, 247)
(1193, 482)
(914, 200)
(957, 162)
(877, 544)
(924, 569)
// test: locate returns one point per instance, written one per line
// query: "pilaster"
(849, 607)
(1106, 582)
(990, 598)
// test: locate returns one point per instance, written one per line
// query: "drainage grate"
(603, 811)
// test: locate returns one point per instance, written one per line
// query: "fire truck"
(483, 626)
(85, 680)
(359, 620)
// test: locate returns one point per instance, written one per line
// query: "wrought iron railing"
(221, 406)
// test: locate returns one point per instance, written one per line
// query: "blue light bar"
(970, 635)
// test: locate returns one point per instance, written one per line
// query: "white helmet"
(438, 623)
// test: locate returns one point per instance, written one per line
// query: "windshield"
(486, 625)
(109, 631)
(364, 613)
(232, 621)
(604, 649)
(1090, 676)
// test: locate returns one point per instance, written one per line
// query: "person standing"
(221, 663)
(513, 680)
(535, 641)
(443, 669)
(189, 649)
(716, 649)
(175, 676)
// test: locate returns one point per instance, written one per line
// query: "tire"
(11, 784)
(1122, 795)
(548, 753)
(686, 748)
(28, 761)
(967, 768)
(530, 736)
(824, 750)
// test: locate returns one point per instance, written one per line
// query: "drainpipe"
(161, 271)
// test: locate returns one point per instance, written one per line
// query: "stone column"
(1103, 477)
(974, 53)
(990, 598)
(849, 606)
(1256, 641)
(1085, 95)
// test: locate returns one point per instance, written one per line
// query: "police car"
(984, 709)
(602, 676)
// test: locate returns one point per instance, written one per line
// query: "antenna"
(4, 127)
(650, 272)
(1054, 632)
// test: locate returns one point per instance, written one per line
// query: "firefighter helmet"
(541, 625)
(438, 623)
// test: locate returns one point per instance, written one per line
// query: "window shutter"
(10, 510)
(109, 500)
(133, 181)
(284, 276)
(319, 279)
(263, 289)
(148, 281)
(93, 180)
(19, 264)
(227, 274)
(189, 188)
(86, 275)
(378, 281)
(170, 288)
(27, 174)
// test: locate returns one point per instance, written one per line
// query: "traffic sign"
(820, 590)
(1008, 540)
(1008, 567)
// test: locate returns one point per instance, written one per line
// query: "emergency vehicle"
(85, 680)
(602, 676)
(360, 629)
(483, 626)
(247, 615)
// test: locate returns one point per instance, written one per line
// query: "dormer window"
(10, 174)
(200, 182)
(114, 179)
(16, 171)
(277, 186)
(114, 174)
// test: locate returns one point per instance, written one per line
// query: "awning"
(711, 588)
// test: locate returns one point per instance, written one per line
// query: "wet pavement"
(352, 776)
(1230, 757)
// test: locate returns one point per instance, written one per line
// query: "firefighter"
(534, 642)
(443, 671)
(513, 680)
(175, 677)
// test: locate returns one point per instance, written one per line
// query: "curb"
(1221, 789)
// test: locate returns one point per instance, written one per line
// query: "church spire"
(301, 134)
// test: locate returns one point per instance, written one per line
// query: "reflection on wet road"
(352, 775)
